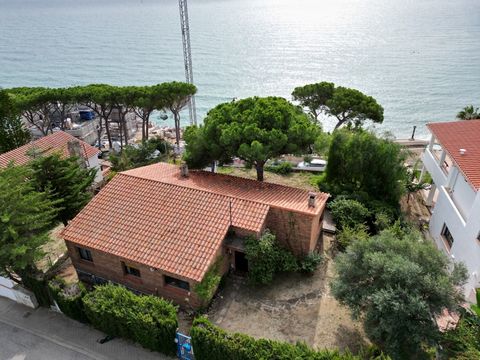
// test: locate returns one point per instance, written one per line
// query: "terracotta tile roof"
(457, 135)
(275, 195)
(173, 228)
(47, 145)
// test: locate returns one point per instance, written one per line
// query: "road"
(18, 344)
(41, 334)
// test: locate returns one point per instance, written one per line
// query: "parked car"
(314, 165)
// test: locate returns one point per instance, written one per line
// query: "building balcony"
(439, 173)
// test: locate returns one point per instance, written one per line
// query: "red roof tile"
(175, 229)
(48, 144)
(153, 216)
(457, 135)
(264, 192)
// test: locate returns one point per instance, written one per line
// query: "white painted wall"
(466, 247)
(463, 195)
(15, 292)
(93, 163)
(458, 207)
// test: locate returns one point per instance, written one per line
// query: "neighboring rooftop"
(46, 145)
(457, 135)
(275, 195)
(154, 216)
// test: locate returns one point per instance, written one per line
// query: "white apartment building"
(453, 160)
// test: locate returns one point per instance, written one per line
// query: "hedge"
(69, 298)
(212, 343)
(38, 285)
(148, 320)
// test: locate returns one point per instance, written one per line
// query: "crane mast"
(187, 56)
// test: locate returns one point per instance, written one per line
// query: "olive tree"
(397, 283)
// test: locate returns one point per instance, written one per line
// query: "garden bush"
(348, 212)
(207, 287)
(69, 298)
(310, 262)
(148, 320)
(348, 235)
(212, 343)
(283, 168)
(463, 342)
(265, 258)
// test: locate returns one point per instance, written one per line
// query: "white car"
(314, 165)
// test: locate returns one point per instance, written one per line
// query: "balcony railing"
(438, 174)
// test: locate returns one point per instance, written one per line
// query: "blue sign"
(184, 347)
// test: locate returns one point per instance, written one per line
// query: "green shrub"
(148, 320)
(283, 168)
(311, 262)
(69, 298)
(212, 343)
(38, 285)
(207, 287)
(463, 342)
(265, 258)
(348, 235)
(348, 212)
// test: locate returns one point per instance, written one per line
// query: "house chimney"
(463, 151)
(312, 197)
(184, 170)
(74, 149)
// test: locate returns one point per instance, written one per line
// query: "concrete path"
(42, 334)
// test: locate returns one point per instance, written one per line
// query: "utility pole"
(187, 56)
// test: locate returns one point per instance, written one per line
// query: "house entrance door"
(241, 262)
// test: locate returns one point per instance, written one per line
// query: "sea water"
(419, 58)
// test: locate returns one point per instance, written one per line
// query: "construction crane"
(187, 56)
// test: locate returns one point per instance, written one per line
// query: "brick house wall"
(109, 267)
(298, 232)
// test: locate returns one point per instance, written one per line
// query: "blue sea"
(419, 58)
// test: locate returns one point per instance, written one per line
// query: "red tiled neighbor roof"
(457, 135)
(167, 223)
(48, 144)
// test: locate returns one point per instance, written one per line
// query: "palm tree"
(468, 113)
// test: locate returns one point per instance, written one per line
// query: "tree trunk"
(125, 129)
(177, 128)
(107, 131)
(259, 168)
(147, 123)
(144, 125)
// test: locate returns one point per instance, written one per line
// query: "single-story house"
(159, 228)
(59, 141)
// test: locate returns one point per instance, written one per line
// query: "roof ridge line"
(195, 189)
(228, 196)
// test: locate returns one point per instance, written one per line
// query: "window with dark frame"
(129, 270)
(85, 254)
(177, 283)
(447, 235)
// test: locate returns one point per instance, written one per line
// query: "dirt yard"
(296, 179)
(294, 308)
(54, 249)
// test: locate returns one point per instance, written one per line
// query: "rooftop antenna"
(187, 56)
